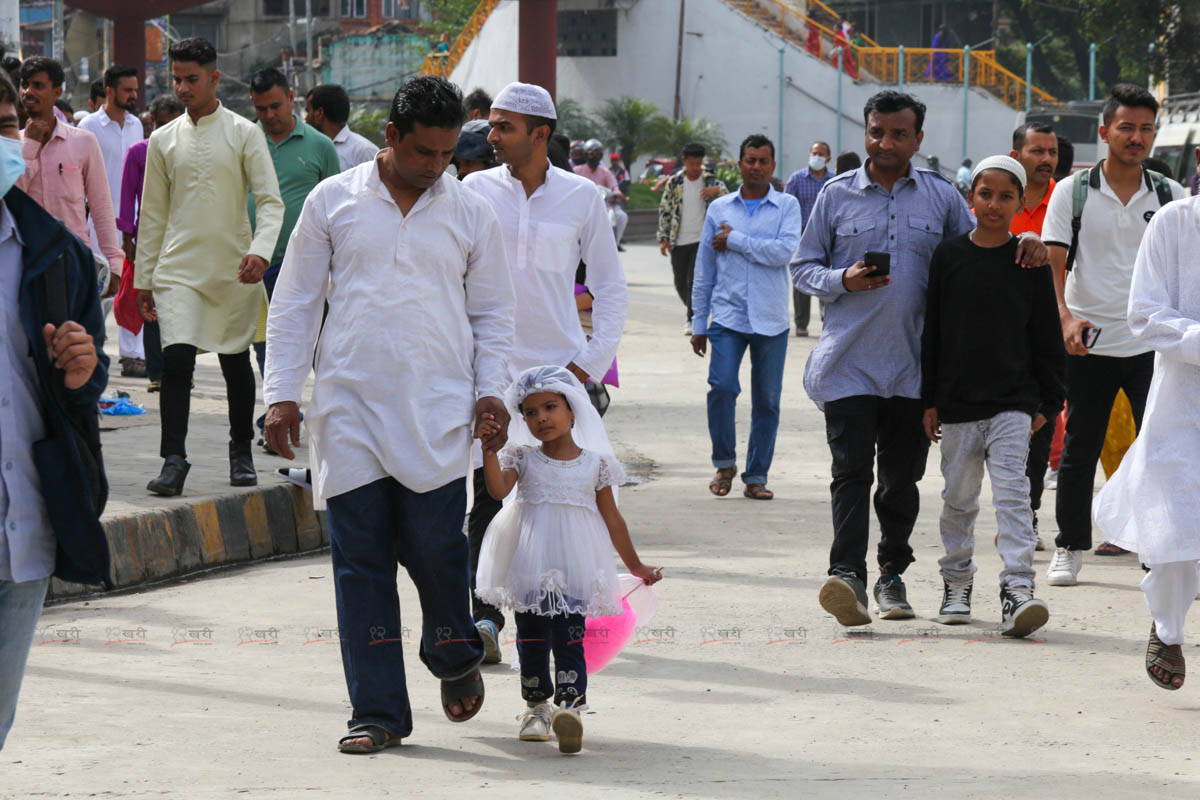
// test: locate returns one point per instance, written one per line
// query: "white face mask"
(817, 163)
(12, 163)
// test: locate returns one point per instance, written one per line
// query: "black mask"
(593, 161)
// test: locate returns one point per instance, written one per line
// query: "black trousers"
(683, 264)
(1092, 384)
(483, 510)
(152, 341)
(1039, 459)
(179, 362)
(863, 431)
(803, 306)
(537, 637)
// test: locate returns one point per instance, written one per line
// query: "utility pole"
(679, 58)
(292, 35)
(57, 43)
(106, 61)
(10, 26)
(308, 44)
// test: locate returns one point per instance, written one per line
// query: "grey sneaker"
(891, 599)
(956, 603)
(845, 597)
(1022, 613)
(491, 641)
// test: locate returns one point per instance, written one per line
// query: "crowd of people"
(470, 250)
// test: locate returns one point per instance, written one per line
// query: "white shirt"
(419, 327)
(26, 538)
(114, 140)
(546, 236)
(691, 212)
(1097, 288)
(353, 149)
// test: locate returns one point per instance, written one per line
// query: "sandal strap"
(376, 733)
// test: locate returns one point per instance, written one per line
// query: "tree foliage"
(369, 123)
(574, 121)
(449, 16)
(667, 136)
(625, 123)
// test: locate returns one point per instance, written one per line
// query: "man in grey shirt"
(865, 372)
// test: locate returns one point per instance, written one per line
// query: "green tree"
(369, 123)
(667, 136)
(449, 16)
(625, 123)
(574, 122)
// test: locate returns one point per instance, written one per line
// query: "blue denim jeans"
(537, 636)
(371, 529)
(767, 356)
(20, 609)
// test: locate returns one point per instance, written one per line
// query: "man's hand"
(700, 344)
(146, 305)
(664, 247)
(1073, 329)
(251, 269)
(39, 130)
(71, 349)
(283, 423)
(933, 425)
(128, 245)
(709, 192)
(1039, 419)
(578, 372)
(114, 285)
(1032, 251)
(491, 418)
(720, 240)
(859, 278)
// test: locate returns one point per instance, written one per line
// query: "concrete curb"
(232, 529)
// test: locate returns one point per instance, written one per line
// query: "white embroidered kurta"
(194, 230)
(420, 326)
(1152, 503)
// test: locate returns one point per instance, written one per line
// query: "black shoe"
(620, 247)
(891, 599)
(1021, 612)
(169, 482)
(845, 597)
(241, 465)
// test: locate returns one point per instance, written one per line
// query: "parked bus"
(1179, 135)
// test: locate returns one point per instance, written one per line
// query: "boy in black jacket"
(992, 363)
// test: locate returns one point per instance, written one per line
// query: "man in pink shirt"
(601, 175)
(64, 169)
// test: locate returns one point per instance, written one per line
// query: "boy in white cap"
(551, 220)
(992, 363)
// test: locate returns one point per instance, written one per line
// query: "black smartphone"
(1090, 335)
(882, 262)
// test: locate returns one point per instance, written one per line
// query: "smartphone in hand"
(881, 261)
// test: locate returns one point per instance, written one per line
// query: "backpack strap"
(1079, 193)
(1158, 182)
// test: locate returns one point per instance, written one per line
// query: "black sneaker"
(845, 597)
(891, 599)
(956, 603)
(1022, 613)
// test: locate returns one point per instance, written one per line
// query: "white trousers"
(1170, 589)
(621, 219)
(129, 345)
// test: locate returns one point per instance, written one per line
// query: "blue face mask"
(12, 163)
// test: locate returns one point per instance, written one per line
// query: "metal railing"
(442, 64)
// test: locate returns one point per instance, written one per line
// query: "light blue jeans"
(1002, 444)
(20, 608)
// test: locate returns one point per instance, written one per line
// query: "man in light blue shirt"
(865, 372)
(741, 279)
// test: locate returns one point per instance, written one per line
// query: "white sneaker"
(535, 723)
(687, 328)
(1051, 479)
(1064, 567)
(568, 728)
(956, 603)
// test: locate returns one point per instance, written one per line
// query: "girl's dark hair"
(521, 404)
(431, 101)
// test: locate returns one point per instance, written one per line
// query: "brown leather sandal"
(722, 482)
(757, 491)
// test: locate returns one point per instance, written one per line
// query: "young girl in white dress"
(548, 554)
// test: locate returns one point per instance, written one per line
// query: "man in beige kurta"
(200, 265)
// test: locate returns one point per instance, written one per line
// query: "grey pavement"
(741, 687)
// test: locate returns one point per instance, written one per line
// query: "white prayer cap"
(525, 98)
(1006, 163)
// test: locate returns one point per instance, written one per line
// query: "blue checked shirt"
(746, 287)
(805, 188)
(871, 341)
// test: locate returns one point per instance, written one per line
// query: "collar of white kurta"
(374, 184)
(101, 114)
(515, 183)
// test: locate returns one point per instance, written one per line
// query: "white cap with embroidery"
(525, 98)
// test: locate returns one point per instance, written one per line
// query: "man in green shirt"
(302, 155)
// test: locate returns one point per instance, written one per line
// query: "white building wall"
(731, 75)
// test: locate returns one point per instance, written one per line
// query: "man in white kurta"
(199, 266)
(552, 219)
(1151, 504)
(414, 350)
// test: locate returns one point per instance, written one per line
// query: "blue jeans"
(537, 636)
(20, 608)
(270, 277)
(767, 355)
(370, 529)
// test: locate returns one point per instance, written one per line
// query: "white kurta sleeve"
(259, 171)
(606, 282)
(152, 222)
(1154, 315)
(294, 314)
(490, 305)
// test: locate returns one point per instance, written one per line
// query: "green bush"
(642, 195)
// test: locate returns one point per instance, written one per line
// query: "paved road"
(743, 689)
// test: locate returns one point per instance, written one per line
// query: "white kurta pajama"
(1151, 504)
(420, 326)
(194, 230)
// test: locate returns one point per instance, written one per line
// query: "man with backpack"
(1094, 225)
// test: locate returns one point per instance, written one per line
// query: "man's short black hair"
(8, 92)
(431, 101)
(890, 101)
(847, 161)
(165, 104)
(32, 66)
(1129, 95)
(267, 79)
(479, 100)
(1066, 157)
(1023, 130)
(96, 90)
(755, 140)
(113, 75)
(65, 107)
(828, 149)
(532, 122)
(332, 99)
(195, 51)
(694, 150)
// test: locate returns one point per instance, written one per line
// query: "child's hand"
(486, 427)
(933, 425)
(649, 575)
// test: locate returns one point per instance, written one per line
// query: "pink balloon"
(605, 636)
